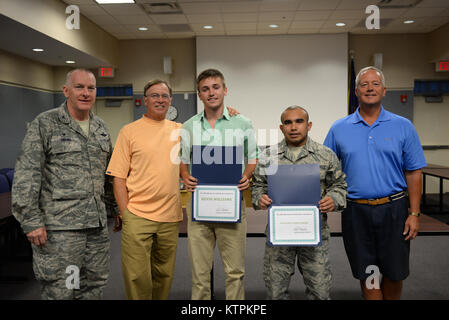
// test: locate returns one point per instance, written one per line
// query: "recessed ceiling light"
(143, 28)
(114, 1)
(274, 26)
(208, 27)
(70, 61)
(409, 21)
(340, 24)
(38, 50)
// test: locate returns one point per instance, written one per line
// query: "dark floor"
(429, 264)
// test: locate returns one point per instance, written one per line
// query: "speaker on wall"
(167, 65)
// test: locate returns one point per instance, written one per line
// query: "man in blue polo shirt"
(382, 158)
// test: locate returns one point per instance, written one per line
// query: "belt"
(379, 201)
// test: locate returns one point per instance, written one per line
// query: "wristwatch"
(416, 214)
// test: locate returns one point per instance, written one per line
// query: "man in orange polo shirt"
(146, 188)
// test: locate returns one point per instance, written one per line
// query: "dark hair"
(154, 82)
(209, 73)
(295, 108)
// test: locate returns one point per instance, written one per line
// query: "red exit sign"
(442, 66)
(106, 72)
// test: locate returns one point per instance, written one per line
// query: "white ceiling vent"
(161, 8)
(398, 4)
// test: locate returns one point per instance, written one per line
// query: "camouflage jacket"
(332, 178)
(59, 178)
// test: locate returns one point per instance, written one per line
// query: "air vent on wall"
(161, 8)
(398, 4)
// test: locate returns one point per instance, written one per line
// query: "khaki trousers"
(148, 257)
(231, 241)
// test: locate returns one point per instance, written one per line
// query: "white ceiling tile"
(123, 9)
(306, 24)
(80, 2)
(103, 19)
(135, 28)
(132, 19)
(318, 5)
(435, 21)
(392, 13)
(303, 30)
(204, 18)
(91, 10)
(279, 5)
(276, 16)
(241, 6)
(312, 15)
(356, 4)
(198, 27)
(240, 17)
(329, 24)
(250, 26)
(195, 8)
(115, 28)
(422, 12)
(347, 14)
(168, 18)
(433, 3)
(283, 26)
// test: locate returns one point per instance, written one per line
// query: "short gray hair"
(69, 75)
(366, 69)
(295, 108)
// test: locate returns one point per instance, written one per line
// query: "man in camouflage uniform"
(313, 262)
(58, 194)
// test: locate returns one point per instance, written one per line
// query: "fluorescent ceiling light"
(340, 24)
(114, 1)
(70, 61)
(38, 50)
(408, 21)
(208, 27)
(274, 26)
(143, 28)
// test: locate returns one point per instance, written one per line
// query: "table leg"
(441, 195)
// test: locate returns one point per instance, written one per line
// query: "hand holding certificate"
(217, 197)
(293, 217)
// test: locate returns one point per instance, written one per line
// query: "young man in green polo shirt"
(215, 127)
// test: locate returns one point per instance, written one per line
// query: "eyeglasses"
(157, 96)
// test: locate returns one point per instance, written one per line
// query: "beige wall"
(142, 60)
(406, 57)
(26, 72)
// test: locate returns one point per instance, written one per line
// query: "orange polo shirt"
(145, 155)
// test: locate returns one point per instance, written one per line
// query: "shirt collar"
(225, 115)
(383, 116)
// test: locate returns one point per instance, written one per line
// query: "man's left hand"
(326, 204)
(411, 227)
(232, 112)
(244, 183)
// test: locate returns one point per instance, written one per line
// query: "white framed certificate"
(294, 226)
(216, 203)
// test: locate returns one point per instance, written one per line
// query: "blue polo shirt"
(374, 157)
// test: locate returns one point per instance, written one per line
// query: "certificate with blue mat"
(216, 197)
(294, 217)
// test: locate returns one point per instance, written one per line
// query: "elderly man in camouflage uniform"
(313, 262)
(58, 195)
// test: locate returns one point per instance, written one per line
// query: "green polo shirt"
(228, 131)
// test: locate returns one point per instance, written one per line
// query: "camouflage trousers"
(73, 264)
(313, 263)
